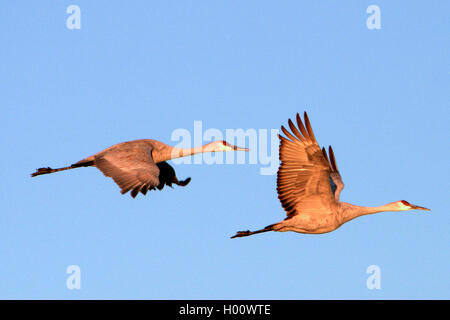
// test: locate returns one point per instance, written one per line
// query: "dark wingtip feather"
(332, 158)
(282, 138)
(309, 128)
(295, 131)
(326, 156)
(288, 134)
(144, 190)
(135, 192)
(302, 127)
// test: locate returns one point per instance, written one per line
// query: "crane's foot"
(42, 171)
(242, 234)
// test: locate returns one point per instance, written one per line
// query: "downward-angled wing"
(132, 170)
(303, 181)
(132, 167)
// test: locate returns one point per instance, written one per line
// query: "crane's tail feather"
(50, 170)
(182, 183)
(249, 233)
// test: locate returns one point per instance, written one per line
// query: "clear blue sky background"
(141, 69)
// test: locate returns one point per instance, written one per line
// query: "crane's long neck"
(350, 211)
(168, 152)
(186, 152)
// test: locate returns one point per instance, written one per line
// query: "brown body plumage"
(140, 165)
(309, 186)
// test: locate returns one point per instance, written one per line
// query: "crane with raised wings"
(309, 185)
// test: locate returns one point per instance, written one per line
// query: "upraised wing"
(336, 182)
(303, 180)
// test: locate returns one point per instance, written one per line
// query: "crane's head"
(405, 205)
(222, 145)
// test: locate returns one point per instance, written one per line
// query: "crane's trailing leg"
(73, 166)
(249, 233)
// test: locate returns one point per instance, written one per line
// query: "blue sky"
(141, 69)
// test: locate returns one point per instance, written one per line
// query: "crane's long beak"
(240, 149)
(419, 207)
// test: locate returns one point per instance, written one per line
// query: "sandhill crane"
(309, 185)
(140, 165)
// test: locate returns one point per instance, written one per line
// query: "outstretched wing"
(131, 166)
(303, 180)
(335, 177)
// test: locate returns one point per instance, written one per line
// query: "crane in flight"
(309, 185)
(140, 165)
